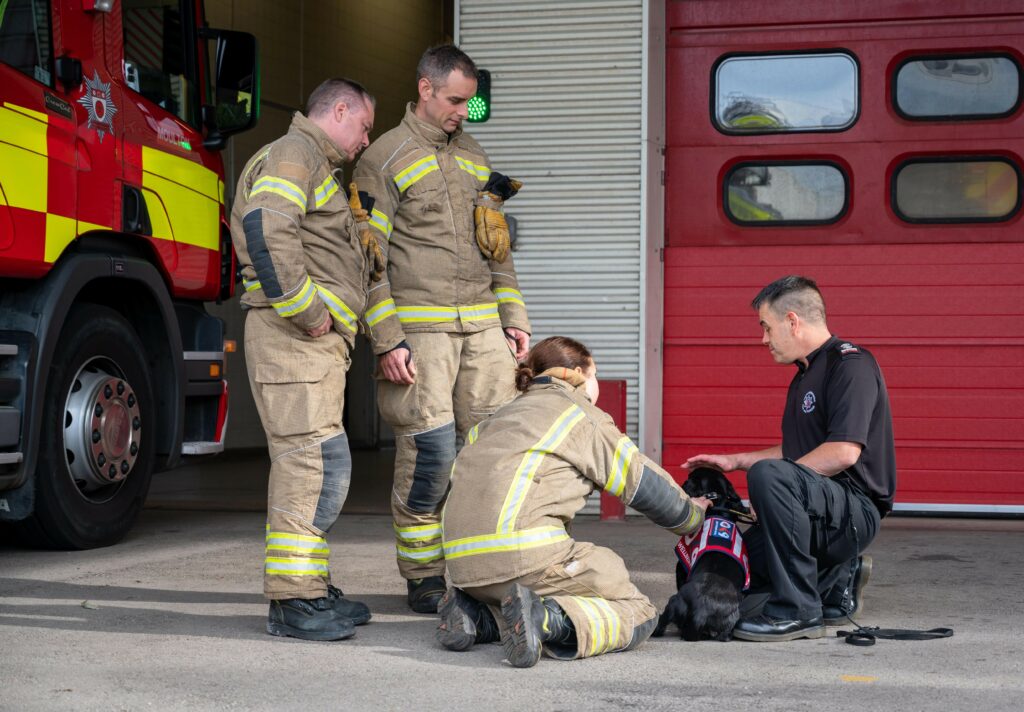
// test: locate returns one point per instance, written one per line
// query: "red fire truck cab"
(112, 235)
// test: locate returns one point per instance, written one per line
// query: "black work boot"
(358, 612)
(853, 597)
(531, 622)
(308, 619)
(464, 621)
(425, 593)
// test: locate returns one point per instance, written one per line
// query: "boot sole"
(521, 642)
(811, 633)
(863, 576)
(459, 631)
(286, 631)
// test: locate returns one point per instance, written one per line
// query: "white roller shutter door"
(566, 119)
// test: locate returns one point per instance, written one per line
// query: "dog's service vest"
(719, 535)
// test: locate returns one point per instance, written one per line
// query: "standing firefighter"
(524, 474)
(448, 323)
(305, 272)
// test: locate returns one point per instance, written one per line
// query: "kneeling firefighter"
(517, 484)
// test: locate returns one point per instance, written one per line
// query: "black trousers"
(809, 531)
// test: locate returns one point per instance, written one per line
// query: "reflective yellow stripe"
(504, 541)
(474, 169)
(422, 555)
(479, 312)
(508, 295)
(426, 532)
(593, 623)
(472, 435)
(324, 191)
(380, 221)
(251, 285)
(418, 314)
(294, 566)
(297, 537)
(279, 186)
(531, 462)
(613, 622)
(381, 312)
(299, 303)
(416, 171)
(338, 309)
(624, 451)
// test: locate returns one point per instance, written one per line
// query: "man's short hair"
(438, 62)
(796, 294)
(331, 91)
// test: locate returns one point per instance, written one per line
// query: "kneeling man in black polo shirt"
(819, 496)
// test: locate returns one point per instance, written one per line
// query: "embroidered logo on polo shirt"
(809, 402)
(848, 348)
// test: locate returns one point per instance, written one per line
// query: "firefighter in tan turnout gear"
(517, 484)
(448, 322)
(305, 272)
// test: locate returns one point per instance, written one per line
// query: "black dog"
(712, 580)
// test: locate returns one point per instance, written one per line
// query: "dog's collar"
(719, 535)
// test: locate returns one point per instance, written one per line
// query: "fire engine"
(112, 236)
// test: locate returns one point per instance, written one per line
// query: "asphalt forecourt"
(173, 618)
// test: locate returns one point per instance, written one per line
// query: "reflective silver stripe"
(492, 543)
(531, 462)
(507, 295)
(295, 566)
(624, 451)
(426, 553)
(280, 186)
(416, 171)
(380, 221)
(324, 192)
(414, 314)
(338, 309)
(298, 303)
(479, 312)
(475, 169)
(381, 312)
(426, 532)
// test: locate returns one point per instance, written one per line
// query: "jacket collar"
(546, 380)
(435, 137)
(303, 125)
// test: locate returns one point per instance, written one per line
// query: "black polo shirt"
(841, 397)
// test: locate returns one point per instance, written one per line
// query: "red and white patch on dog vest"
(720, 535)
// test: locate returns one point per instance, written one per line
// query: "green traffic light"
(478, 107)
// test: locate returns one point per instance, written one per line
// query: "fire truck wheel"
(96, 449)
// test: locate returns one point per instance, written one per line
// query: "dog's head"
(712, 484)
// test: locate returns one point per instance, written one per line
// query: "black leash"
(866, 636)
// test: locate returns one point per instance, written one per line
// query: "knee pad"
(337, 475)
(435, 455)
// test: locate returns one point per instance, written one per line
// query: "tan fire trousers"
(460, 380)
(298, 383)
(592, 586)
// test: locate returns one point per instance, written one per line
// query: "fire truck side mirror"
(236, 91)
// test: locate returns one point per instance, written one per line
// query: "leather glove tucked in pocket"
(361, 203)
(492, 234)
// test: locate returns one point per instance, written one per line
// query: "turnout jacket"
(295, 235)
(527, 470)
(425, 183)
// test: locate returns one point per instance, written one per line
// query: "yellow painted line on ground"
(858, 678)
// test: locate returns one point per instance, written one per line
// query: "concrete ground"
(172, 618)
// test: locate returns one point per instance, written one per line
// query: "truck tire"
(95, 454)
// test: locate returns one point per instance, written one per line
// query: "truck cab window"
(157, 55)
(25, 37)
